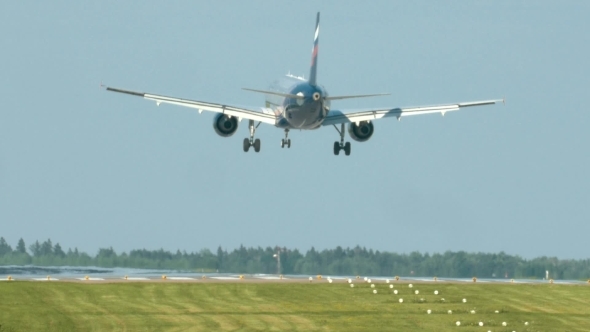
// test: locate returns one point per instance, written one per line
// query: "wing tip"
(129, 92)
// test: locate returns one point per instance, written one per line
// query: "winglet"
(314, 53)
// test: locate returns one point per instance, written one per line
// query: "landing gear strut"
(286, 141)
(248, 142)
(341, 145)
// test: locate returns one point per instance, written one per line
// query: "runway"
(110, 275)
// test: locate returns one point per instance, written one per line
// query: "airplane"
(296, 103)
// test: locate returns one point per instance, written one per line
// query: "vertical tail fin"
(314, 53)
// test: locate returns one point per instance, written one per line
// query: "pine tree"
(58, 251)
(5, 248)
(220, 259)
(35, 248)
(20, 247)
(47, 248)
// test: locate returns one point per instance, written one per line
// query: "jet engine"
(225, 125)
(362, 131)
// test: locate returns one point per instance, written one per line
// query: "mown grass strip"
(34, 306)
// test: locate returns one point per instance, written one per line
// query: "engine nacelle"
(361, 132)
(225, 125)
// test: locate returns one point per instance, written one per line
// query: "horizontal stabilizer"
(356, 96)
(286, 95)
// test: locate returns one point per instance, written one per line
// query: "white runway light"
(417, 292)
(497, 311)
(464, 300)
(390, 286)
(472, 311)
(372, 285)
(435, 292)
(387, 280)
(410, 285)
(504, 324)
(458, 323)
(401, 300)
(351, 285)
(374, 291)
(480, 323)
(365, 278)
(350, 281)
(450, 312)
(369, 280)
(395, 291)
(526, 323)
(428, 311)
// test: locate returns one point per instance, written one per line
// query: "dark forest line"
(338, 261)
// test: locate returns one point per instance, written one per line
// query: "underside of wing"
(239, 112)
(337, 116)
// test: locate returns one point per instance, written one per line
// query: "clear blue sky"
(91, 169)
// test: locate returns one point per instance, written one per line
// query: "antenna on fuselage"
(314, 53)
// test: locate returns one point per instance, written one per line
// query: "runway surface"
(109, 275)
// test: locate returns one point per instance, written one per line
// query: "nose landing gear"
(286, 141)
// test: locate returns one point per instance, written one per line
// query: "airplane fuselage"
(298, 113)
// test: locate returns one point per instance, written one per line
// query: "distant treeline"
(338, 261)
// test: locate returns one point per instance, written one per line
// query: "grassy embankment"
(165, 306)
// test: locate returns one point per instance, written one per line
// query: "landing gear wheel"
(336, 148)
(286, 141)
(246, 145)
(257, 145)
(347, 148)
(248, 142)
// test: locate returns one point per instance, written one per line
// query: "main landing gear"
(248, 142)
(341, 145)
(286, 141)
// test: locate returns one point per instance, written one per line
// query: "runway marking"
(44, 279)
(225, 278)
(90, 279)
(270, 278)
(135, 278)
(179, 278)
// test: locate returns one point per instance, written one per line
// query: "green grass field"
(275, 306)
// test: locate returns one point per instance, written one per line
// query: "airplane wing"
(338, 117)
(239, 112)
